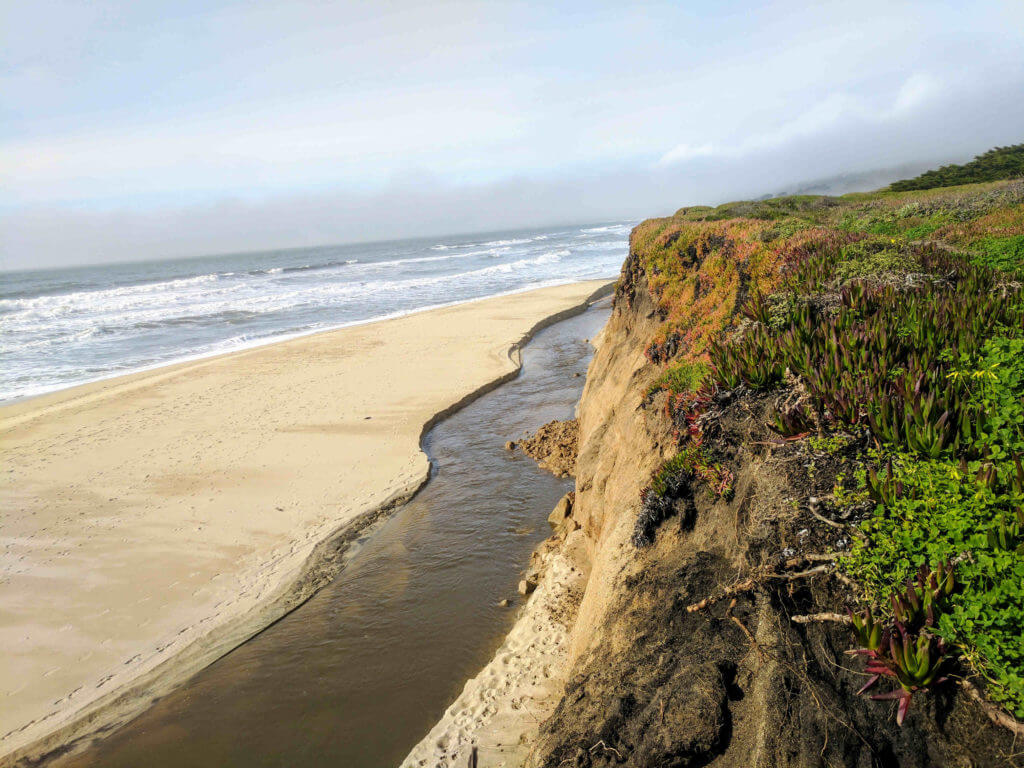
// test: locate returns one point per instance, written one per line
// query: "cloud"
(836, 111)
(140, 130)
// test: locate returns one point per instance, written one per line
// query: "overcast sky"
(140, 129)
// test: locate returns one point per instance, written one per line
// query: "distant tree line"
(998, 163)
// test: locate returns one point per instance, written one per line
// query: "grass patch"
(680, 377)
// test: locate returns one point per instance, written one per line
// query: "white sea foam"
(60, 329)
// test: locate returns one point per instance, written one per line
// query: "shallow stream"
(357, 675)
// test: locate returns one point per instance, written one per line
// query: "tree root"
(752, 583)
(994, 713)
(814, 557)
(735, 589)
(606, 748)
(753, 643)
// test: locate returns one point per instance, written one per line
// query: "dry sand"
(152, 522)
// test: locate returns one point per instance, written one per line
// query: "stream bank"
(361, 671)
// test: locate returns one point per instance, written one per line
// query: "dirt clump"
(554, 447)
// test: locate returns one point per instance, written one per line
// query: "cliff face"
(658, 678)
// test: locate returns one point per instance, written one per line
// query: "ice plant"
(906, 652)
(913, 664)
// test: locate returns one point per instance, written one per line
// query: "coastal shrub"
(1004, 253)
(703, 264)
(901, 316)
(882, 357)
(873, 257)
(997, 163)
(935, 371)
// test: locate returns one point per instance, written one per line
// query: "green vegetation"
(671, 482)
(935, 370)
(998, 163)
(907, 651)
(681, 377)
(900, 315)
(934, 510)
(1003, 253)
(830, 444)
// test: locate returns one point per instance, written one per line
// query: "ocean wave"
(100, 294)
(58, 332)
(493, 243)
(303, 267)
(616, 228)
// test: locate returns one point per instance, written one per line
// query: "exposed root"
(827, 557)
(753, 583)
(735, 589)
(810, 618)
(818, 516)
(750, 638)
(994, 713)
(606, 748)
(845, 580)
(799, 574)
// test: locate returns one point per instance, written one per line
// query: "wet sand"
(153, 522)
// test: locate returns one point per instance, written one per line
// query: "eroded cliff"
(720, 643)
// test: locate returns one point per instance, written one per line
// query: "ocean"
(63, 327)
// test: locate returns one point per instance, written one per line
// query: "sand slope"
(151, 522)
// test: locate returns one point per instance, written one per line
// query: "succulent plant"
(792, 421)
(915, 606)
(914, 663)
(883, 490)
(877, 360)
(1008, 535)
(906, 651)
(757, 308)
(868, 631)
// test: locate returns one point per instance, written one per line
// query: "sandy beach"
(154, 521)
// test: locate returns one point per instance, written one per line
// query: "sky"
(139, 130)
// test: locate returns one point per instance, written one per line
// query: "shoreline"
(501, 707)
(291, 578)
(278, 339)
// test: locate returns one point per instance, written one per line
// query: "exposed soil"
(554, 447)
